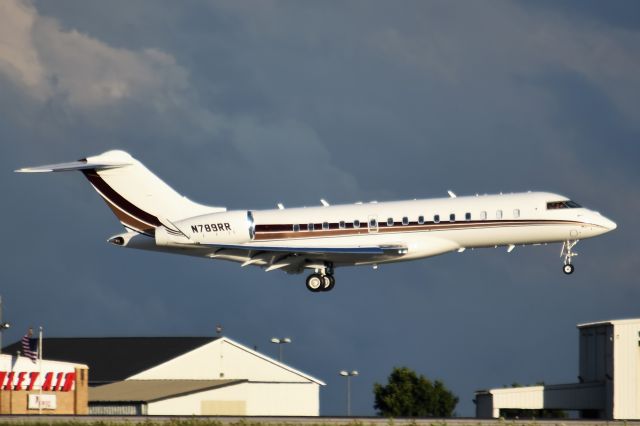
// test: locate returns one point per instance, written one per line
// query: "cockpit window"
(568, 204)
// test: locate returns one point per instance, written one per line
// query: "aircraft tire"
(315, 283)
(568, 269)
(329, 282)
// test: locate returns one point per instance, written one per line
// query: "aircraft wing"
(294, 259)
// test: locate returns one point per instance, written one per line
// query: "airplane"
(323, 238)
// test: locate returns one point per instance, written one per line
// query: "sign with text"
(45, 402)
(29, 380)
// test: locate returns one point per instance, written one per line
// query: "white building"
(609, 376)
(186, 376)
(221, 377)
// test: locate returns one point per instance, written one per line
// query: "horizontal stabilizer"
(73, 165)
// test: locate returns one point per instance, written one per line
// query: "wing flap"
(372, 250)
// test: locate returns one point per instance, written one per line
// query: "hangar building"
(187, 376)
(609, 378)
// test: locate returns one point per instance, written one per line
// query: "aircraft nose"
(606, 223)
(609, 224)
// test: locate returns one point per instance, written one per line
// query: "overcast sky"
(247, 104)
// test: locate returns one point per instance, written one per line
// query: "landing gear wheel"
(329, 282)
(315, 283)
(568, 269)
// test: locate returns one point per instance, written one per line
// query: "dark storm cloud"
(246, 104)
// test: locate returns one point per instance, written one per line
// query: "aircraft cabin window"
(390, 221)
(296, 227)
(452, 217)
(325, 225)
(483, 215)
(405, 220)
(516, 213)
(342, 224)
(356, 224)
(421, 220)
(310, 227)
(467, 216)
(436, 218)
(373, 223)
(499, 214)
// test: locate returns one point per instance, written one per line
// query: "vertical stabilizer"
(139, 199)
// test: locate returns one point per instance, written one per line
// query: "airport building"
(609, 378)
(187, 376)
(42, 386)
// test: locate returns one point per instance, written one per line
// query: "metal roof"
(612, 322)
(153, 390)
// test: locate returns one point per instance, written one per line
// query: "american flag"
(30, 347)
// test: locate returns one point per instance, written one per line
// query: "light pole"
(348, 375)
(280, 342)
(3, 325)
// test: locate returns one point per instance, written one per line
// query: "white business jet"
(326, 237)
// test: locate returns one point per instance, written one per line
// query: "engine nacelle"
(232, 227)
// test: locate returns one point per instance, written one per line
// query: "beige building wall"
(72, 402)
(250, 399)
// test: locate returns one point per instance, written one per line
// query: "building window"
(296, 227)
(452, 217)
(421, 220)
(499, 214)
(436, 218)
(325, 225)
(516, 213)
(310, 227)
(342, 224)
(483, 215)
(356, 224)
(467, 216)
(405, 220)
(389, 221)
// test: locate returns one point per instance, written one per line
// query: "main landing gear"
(321, 281)
(567, 253)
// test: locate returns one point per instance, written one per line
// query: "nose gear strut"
(568, 253)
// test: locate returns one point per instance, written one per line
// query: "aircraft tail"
(138, 198)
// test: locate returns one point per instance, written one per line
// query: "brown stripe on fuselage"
(261, 234)
(129, 221)
(134, 213)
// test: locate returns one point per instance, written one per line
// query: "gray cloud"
(246, 104)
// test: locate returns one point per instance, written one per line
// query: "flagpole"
(40, 369)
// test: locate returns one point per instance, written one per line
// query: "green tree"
(408, 395)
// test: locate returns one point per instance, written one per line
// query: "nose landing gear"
(568, 253)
